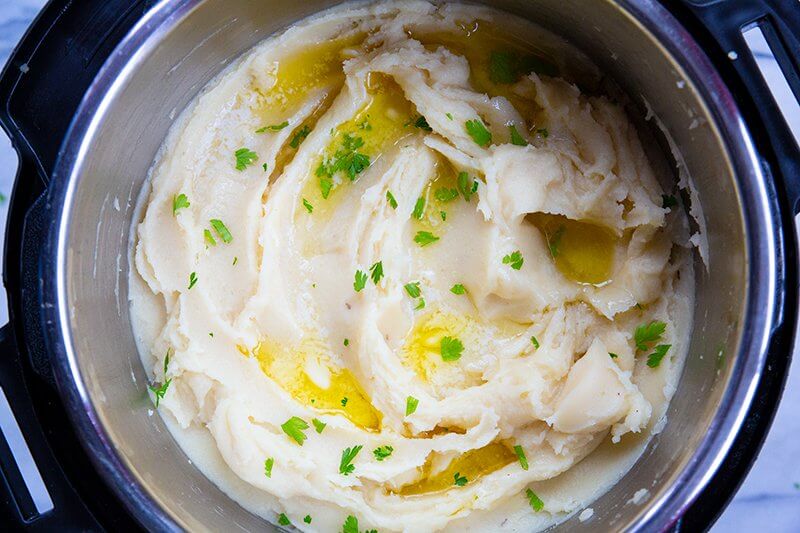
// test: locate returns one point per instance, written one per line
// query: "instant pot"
(87, 98)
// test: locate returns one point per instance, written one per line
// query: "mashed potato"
(395, 269)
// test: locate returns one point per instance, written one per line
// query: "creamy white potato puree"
(395, 269)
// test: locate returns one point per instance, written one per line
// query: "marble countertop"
(769, 497)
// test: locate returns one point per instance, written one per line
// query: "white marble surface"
(769, 497)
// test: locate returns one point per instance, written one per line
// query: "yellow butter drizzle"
(287, 369)
(582, 251)
(472, 465)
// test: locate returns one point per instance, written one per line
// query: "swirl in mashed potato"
(406, 272)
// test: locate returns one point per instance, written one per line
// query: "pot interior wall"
(207, 35)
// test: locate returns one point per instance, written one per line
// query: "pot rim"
(763, 238)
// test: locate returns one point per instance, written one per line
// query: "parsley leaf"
(516, 138)
(458, 289)
(647, 334)
(424, 238)
(466, 185)
(413, 289)
(179, 202)
(420, 304)
(221, 230)
(523, 461)
(535, 342)
(382, 452)
(284, 520)
(350, 525)
(477, 130)
(554, 241)
(391, 200)
(612, 355)
(160, 391)
(654, 359)
(449, 116)
(451, 348)
(503, 67)
(299, 136)
(294, 427)
(543, 132)
(443, 214)
(445, 195)
(192, 279)
(307, 519)
(411, 405)
(376, 272)
(422, 123)
(668, 201)
(268, 464)
(514, 260)
(209, 238)
(308, 206)
(274, 127)
(460, 480)
(325, 186)
(244, 158)
(319, 425)
(264, 166)
(347, 342)
(419, 208)
(344, 401)
(534, 501)
(361, 281)
(345, 465)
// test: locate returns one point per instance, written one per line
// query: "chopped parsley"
(667, 201)
(422, 123)
(420, 304)
(534, 501)
(347, 342)
(458, 289)
(325, 186)
(308, 206)
(460, 480)
(411, 405)
(391, 200)
(166, 360)
(299, 136)
(209, 238)
(235, 260)
(654, 359)
(345, 465)
(344, 401)
(543, 132)
(554, 241)
(413, 289)
(382, 452)
(523, 461)
(477, 130)
(535, 342)
(449, 116)
(192, 279)
(514, 260)
(443, 214)
(424, 238)
(445, 195)
(419, 208)
(244, 158)
(516, 138)
(346, 159)
(376, 272)
(268, 464)
(284, 520)
(221, 230)
(160, 391)
(307, 519)
(264, 166)
(612, 355)
(451, 348)
(274, 127)
(647, 334)
(319, 425)
(466, 185)
(351, 526)
(294, 427)
(179, 202)
(507, 67)
(360, 281)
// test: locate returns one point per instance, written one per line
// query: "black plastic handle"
(779, 20)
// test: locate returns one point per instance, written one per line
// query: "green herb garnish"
(535, 342)
(422, 124)
(319, 425)
(420, 304)
(307, 519)
(477, 130)
(612, 355)
(209, 238)
(445, 195)
(244, 158)
(466, 185)
(274, 127)
(419, 208)
(543, 132)
(299, 136)
(554, 241)
(458, 289)
(268, 467)
(411, 405)
(179, 202)
(391, 200)
(382, 452)
(413, 289)
(451, 348)
(516, 138)
(668, 201)
(424, 238)
(284, 520)
(523, 461)
(345, 465)
(308, 206)
(647, 334)
(534, 501)
(654, 359)
(514, 260)
(344, 401)
(360, 281)
(221, 230)
(294, 427)
(160, 391)
(376, 272)
(460, 480)
(192, 279)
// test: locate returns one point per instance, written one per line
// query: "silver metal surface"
(180, 45)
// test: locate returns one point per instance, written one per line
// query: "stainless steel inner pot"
(181, 44)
